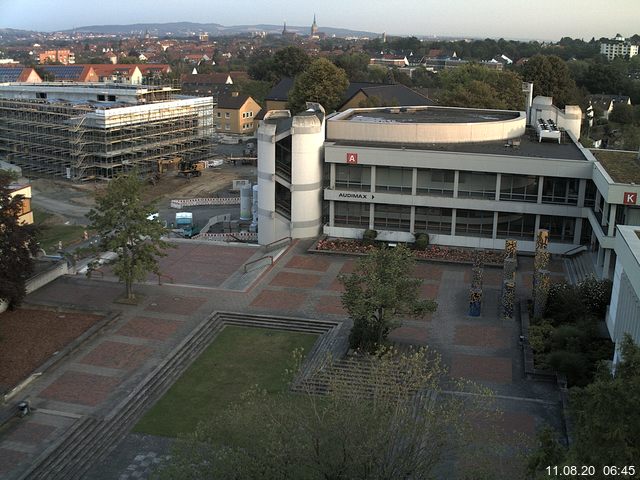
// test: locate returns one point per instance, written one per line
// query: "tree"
(475, 86)
(290, 61)
(621, 113)
(122, 220)
(355, 65)
(551, 77)
(385, 420)
(380, 290)
(322, 82)
(18, 246)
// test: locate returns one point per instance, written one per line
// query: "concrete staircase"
(90, 439)
(579, 267)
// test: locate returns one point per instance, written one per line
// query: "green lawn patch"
(51, 233)
(238, 358)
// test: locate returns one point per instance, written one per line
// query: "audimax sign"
(361, 196)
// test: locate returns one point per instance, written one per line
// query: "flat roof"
(528, 148)
(622, 166)
(427, 114)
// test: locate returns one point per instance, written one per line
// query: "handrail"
(268, 246)
(257, 260)
(579, 248)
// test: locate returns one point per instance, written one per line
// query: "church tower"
(314, 27)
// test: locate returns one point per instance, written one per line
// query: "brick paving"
(306, 262)
(176, 304)
(429, 290)
(30, 432)
(9, 459)
(117, 355)
(331, 305)
(490, 276)
(151, 328)
(78, 387)
(295, 280)
(482, 336)
(482, 369)
(410, 334)
(429, 271)
(278, 300)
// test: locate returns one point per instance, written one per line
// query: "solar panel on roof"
(9, 74)
(64, 72)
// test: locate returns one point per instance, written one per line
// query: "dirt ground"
(69, 202)
(29, 337)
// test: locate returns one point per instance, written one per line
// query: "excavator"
(190, 168)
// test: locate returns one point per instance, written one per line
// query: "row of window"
(228, 115)
(520, 188)
(472, 223)
(245, 126)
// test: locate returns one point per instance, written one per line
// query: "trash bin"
(23, 408)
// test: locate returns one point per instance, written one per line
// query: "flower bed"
(434, 252)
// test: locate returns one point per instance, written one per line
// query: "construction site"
(98, 131)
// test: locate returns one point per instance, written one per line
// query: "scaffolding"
(80, 141)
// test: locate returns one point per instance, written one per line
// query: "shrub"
(574, 365)
(564, 304)
(369, 236)
(422, 241)
(540, 336)
(596, 295)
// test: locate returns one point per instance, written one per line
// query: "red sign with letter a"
(352, 158)
(630, 198)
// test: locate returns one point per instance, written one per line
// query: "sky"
(510, 19)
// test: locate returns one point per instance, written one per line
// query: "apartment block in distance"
(97, 130)
(65, 57)
(618, 47)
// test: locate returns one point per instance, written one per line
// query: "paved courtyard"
(208, 278)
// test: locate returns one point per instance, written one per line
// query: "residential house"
(65, 57)
(18, 74)
(379, 95)
(71, 73)
(236, 113)
(25, 217)
(607, 102)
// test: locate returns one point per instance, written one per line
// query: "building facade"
(618, 47)
(467, 177)
(236, 114)
(99, 130)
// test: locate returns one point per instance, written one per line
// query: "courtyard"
(96, 378)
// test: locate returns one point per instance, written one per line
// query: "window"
(251, 114)
(112, 98)
(474, 223)
(353, 177)
(519, 188)
(226, 115)
(392, 217)
(227, 126)
(218, 114)
(433, 220)
(353, 215)
(394, 179)
(560, 228)
(435, 182)
(516, 225)
(101, 98)
(477, 185)
(560, 190)
(41, 94)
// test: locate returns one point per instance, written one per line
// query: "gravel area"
(28, 337)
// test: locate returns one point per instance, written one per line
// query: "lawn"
(239, 358)
(52, 233)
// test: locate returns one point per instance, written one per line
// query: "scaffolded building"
(82, 131)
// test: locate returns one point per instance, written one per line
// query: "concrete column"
(605, 213)
(606, 263)
(332, 179)
(498, 181)
(540, 187)
(577, 231)
(371, 213)
(456, 182)
(414, 184)
(612, 219)
(536, 227)
(332, 212)
(597, 201)
(373, 178)
(494, 233)
(453, 221)
(412, 220)
(582, 190)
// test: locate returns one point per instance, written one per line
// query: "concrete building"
(467, 177)
(618, 47)
(623, 315)
(236, 113)
(98, 130)
(63, 56)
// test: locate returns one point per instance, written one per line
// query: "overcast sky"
(518, 19)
